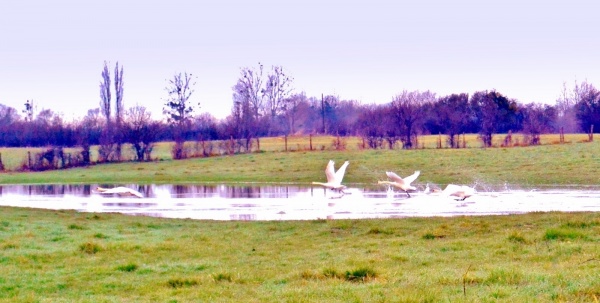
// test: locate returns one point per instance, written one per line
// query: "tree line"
(264, 104)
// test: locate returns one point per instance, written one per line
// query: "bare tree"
(565, 106)
(249, 87)
(407, 113)
(452, 114)
(118, 110)
(495, 114)
(293, 110)
(276, 92)
(249, 107)
(537, 119)
(587, 106)
(141, 132)
(105, 151)
(371, 124)
(245, 116)
(28, 111)
(178, 109)
(8, 119)
(88, 132)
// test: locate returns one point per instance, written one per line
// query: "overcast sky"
(53, 52)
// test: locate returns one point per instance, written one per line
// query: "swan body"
(401, 183)
(460, 191)
(334, 178)
(432, 189)
(121, 191)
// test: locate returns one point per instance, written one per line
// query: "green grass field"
(14, 158)
(64, 256)
(549, 164)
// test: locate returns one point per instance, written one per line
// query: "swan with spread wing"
(121, 191)
(401, 183)
(334, 178)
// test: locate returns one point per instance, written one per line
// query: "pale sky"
(53, 52)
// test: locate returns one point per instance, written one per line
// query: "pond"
(296, 202)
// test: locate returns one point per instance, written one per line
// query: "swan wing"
(339, 175)
(451, 189)
(120, 191)
(109, 190)
(136, 193)
(330, 172)
(394, 177)
(468, 190)
(410, 179)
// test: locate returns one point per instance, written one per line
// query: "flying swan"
(334, 179)
(121, 191)
(401, 183)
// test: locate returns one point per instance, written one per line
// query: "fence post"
(1, 164)
(591, 135)
(285, 138)
(310, 141)
(562, 135)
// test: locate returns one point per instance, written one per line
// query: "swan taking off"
(121, 191)
(432, 189)
(460, 191)
(401, 183)
(334, 178)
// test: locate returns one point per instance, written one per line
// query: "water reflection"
(150, 191)
(294, 202)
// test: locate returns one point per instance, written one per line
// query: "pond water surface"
(295, 202)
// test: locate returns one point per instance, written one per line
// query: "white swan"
(401, 183)
(121, 191)
(460, 191)
(334, 179)
(432, 189)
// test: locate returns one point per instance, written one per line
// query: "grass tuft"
(331, 273)
(128, 267)
(222, 277)
(517, 237)
(360, 275)
(9, 246)
(179, 283)
(431, 236)
(377, 231)
(580, 224)
(100, 236)
(563, 234)
(76, 227)
(90, 248)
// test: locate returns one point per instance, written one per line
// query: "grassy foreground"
(552, 164)
(65, 256)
